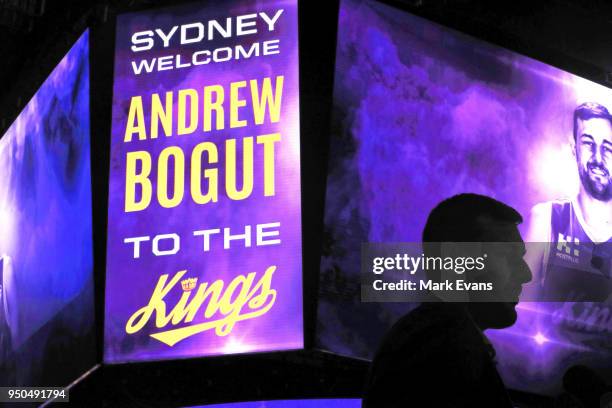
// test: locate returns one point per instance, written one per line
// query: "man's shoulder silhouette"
(436, 355)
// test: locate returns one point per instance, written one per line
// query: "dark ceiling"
(578, 29)
(581, 29)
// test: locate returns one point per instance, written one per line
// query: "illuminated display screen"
(204, 234)
(46, 251)
(318, 403)
(422, 113)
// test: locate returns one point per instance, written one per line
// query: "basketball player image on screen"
(573, 261)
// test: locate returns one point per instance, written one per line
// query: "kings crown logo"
(189, 284)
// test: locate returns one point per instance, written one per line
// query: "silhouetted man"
(437, 355)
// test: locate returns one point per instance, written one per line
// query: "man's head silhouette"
(480, 219)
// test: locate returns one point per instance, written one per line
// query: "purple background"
(422, 113)
(130, 282)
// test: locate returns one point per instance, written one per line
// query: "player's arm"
(537, 238)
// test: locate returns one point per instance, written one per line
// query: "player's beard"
(597, 189)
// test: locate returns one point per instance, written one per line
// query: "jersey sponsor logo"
(568, 248)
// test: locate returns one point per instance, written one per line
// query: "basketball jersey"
(578, 274)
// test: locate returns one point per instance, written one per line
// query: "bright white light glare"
(555, 170)
(6, 229)
(234, 346)
(588, 91)
(540, 339)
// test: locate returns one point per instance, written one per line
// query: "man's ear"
(572, 145)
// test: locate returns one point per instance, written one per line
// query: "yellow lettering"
(231, 170)
(211, 175)
(216, 106)
(138, 320)
(183, 127)
(162, 115)
(269, 160)
(266, 100)
(178, 180)
(132, 179)
(236, 103)
(135, 121)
